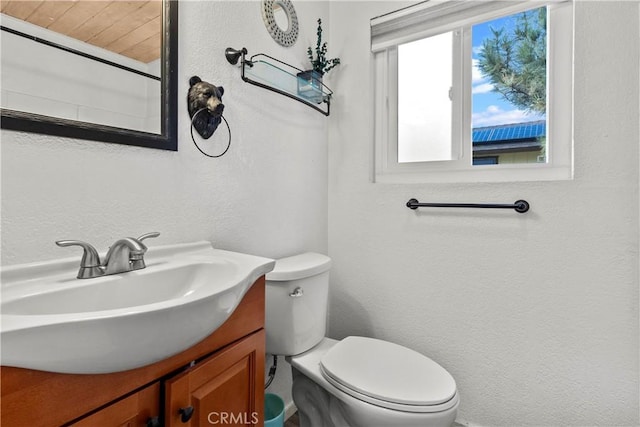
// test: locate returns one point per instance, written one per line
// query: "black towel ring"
(196, 144)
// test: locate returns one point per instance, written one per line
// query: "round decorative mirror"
(281, 21)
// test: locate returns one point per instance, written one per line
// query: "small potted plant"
(310, 81)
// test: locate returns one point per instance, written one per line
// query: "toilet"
(356, 381)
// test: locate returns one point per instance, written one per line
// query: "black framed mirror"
(162, 134)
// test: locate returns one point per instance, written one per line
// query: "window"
(448, 108)
(425, 128)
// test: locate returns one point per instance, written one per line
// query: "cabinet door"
(226, 389)
(138, 410)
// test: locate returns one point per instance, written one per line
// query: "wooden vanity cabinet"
(139, 409)
(221, 376)
(223, 389)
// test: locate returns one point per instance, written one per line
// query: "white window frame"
(435, 17)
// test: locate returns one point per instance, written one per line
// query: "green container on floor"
(273, 410)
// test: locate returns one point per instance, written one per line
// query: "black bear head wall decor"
(207, 97)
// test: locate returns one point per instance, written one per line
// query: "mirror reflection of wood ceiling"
(130, 28)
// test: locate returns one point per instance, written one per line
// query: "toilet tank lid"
(299, 267)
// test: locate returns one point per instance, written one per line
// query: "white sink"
(52, 321)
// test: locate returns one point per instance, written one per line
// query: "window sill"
(479, 173)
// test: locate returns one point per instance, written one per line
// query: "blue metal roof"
(510, 132)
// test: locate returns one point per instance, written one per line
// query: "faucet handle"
(148, 235)
(90, 258)
(90, 262)
(137, 261)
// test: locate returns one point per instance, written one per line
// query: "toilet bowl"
(357, 381)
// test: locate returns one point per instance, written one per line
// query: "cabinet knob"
(186, 413)
(153, 422)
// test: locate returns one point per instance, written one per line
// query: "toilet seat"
(388, 375)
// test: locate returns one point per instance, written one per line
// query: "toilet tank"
(296, 303)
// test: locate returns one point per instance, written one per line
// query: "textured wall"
(267, 196)
(536, 315)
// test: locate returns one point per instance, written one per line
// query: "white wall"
(535, 315)
(267, 196)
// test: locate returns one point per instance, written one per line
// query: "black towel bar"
(520, 206)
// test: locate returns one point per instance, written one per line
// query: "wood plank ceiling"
(130, 28)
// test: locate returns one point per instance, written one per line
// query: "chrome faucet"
(124, 255)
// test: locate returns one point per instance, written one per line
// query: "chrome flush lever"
(297, 292)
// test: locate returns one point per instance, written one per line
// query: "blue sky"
(488, 107)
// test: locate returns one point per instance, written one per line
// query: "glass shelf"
(272, 74)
